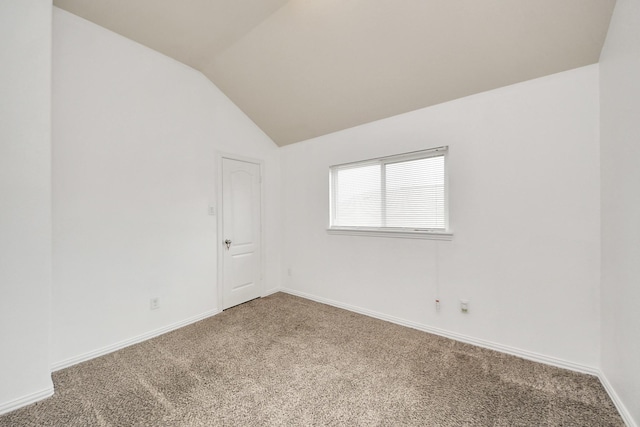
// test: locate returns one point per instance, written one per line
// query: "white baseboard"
(624, 413)
(525, 354)
(12, 405)
(126, 343)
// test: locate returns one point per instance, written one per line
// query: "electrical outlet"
(464, 306)
(154, 303)
(289, 272)
(437, 305)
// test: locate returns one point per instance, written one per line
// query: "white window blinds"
(400, 192)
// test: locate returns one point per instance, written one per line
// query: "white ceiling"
(305, 68)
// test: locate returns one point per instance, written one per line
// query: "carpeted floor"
(287, 361)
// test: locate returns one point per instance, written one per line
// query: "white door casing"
(240, 238)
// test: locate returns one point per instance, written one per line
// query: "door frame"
(220, 156)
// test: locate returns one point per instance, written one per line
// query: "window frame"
(401, 232)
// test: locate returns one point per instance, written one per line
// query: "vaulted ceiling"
(305, 68)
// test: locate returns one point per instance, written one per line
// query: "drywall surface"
(25, 201)
(135, 139)
(524, 188)
(620, 154)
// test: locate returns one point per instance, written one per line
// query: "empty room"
(319, 212)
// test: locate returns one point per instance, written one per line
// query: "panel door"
(241, 235)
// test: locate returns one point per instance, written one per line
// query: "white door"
(241, 225)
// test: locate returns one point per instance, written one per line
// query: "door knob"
(228, 243)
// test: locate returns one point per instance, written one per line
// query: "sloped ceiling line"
(304, 68)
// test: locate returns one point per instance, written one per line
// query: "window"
(403, 195)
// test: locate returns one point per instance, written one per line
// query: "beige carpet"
(286, 361)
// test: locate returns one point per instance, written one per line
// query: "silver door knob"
(228, 243)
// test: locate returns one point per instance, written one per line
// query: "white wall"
(135, 136)
(620, 152)
(524, 175)
(25, 201)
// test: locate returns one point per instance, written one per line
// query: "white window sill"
(402, 234)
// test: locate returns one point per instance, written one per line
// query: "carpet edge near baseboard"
(536, 357)
(140, 338)
(528, 355)
(25, 400)
(620, 406)
(130, 341)
(525, 354)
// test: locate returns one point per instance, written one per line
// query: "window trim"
(400, 233)
(408, 233)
